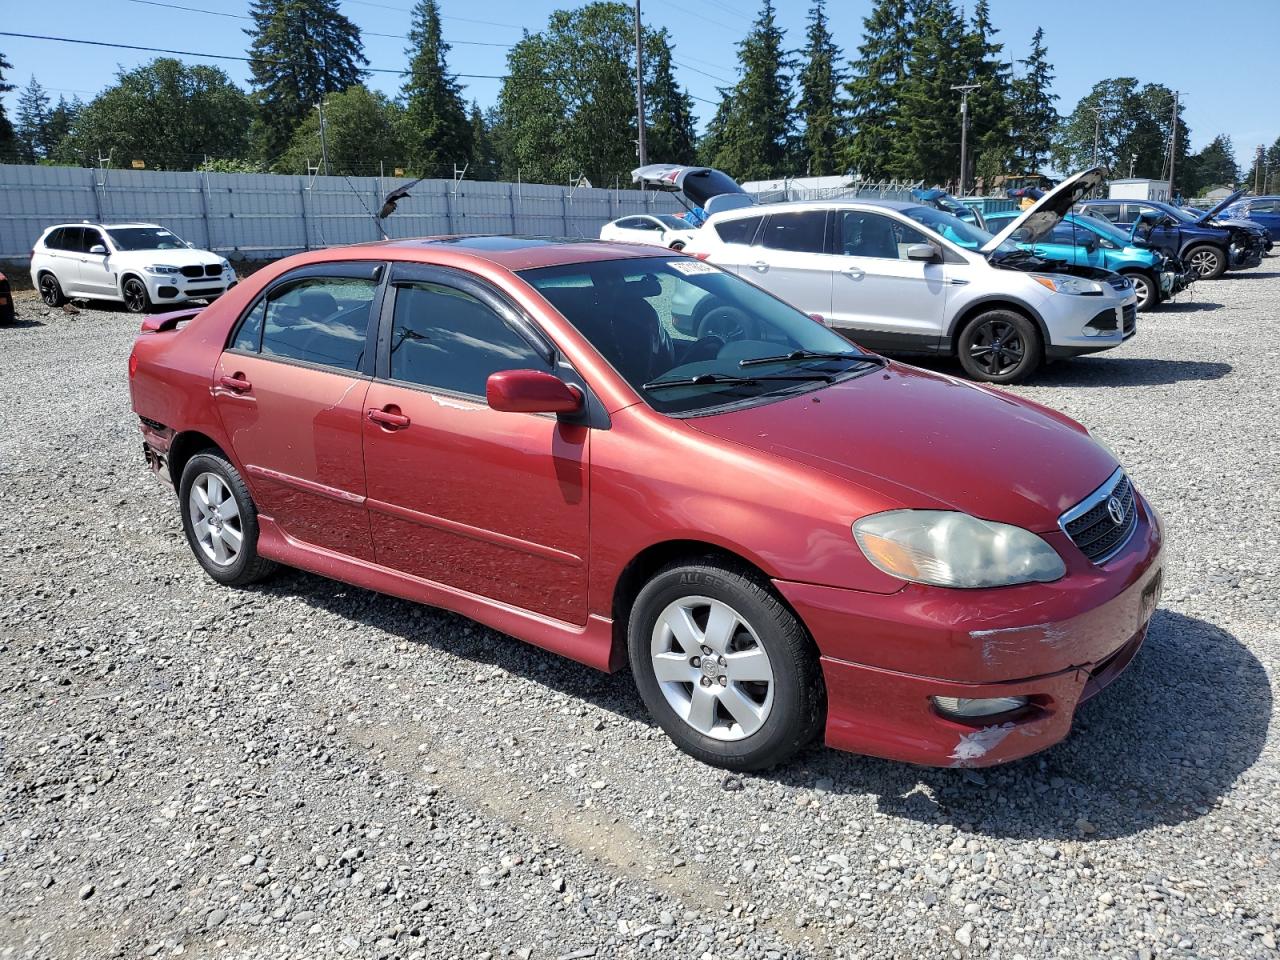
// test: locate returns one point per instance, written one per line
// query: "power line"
(387, 6)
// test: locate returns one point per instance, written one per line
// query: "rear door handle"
(389, 418)
(236, 383)
(854, 273)
(760, 266)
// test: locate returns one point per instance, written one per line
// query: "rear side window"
(1109, 211)
(65, 238)
(741, 230)
(796, 232)
(446, 339)
(322, 320)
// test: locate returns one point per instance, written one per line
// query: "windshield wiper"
(720, 379)
(796, 355)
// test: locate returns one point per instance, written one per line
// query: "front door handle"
(236, 383)
(760, 266)
(854, 273)
(389, 417)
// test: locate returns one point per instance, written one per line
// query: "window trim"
(374, 270)
(759, 218)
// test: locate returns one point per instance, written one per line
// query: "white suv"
(909, 278)
(139, 264)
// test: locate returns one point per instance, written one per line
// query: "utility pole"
(1257, 175)
(1133, 159)
(641, 149)
(1173, 147)
(324, 146)
(965, 89)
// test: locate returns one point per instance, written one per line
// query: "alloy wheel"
(135, 295)
(49, 290)
(215, 519)
(1204, 262)
(997, 348)
(712, 669)
(1142, 288)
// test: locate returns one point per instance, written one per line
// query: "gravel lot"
(305, 769)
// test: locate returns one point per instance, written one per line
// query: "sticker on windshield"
(691, 267)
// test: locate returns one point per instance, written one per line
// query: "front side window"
(322, 320)
(445, 339)
(862, 234)
(960, 232)
(92, 238)
(795, 232)
(746, 346)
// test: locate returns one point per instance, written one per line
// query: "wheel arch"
(131, 272)
(997, 302)
(185, 445)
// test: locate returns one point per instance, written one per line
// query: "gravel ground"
(305, 769)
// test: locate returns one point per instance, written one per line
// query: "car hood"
(1045, 214)
(1221, 205)
(185, 257)
(705, 187)
(928, 441)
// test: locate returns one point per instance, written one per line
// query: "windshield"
(952, 228)
(674, 223)
(659, 319)
(144, 238)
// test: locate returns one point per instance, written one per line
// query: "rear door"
(62, 247)
(790, 260)
(290, 390)
(96, 279)
(888, 301)
(490, 503)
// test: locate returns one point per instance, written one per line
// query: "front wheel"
(999, 346)
(136, 298)
(220, 520)
(677, 245)
(1209, 263)
(1147, 290)
(724, 667)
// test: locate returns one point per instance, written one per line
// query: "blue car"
(1205, 243)
(1264, 211)
(1089, 241)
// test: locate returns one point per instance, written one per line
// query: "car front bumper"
(167, 288)
(885, 657)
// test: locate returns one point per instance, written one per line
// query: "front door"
(290, 390)
(886, 301)
(789, 260)
(489, 503)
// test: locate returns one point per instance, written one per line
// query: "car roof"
(515, 252)
(800, 206)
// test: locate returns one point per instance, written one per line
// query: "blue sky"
(1226, 74)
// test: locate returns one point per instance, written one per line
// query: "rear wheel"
(999, 346)
(1209, 263)
(221, 521)
(677, 245)
(724, 667)
(136, 298)
(1146, 288)
(51, 290)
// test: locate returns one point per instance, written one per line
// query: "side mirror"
(531, 391)
(1090, 242)
(923, 251)
(98, 249)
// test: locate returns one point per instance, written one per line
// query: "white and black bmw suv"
(138, 264)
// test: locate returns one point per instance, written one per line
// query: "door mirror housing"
(925, 252)
(531, 391)
(98, 250)
(1090, 243)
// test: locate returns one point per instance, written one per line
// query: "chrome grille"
(1091, 524)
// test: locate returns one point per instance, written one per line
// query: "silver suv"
(908, 278)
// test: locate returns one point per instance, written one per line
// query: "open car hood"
(1221, 205)
(705, 187)
(939, 199)
(1045, 214)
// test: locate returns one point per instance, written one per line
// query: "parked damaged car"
(7, 313)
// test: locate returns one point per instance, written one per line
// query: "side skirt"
(591, 644)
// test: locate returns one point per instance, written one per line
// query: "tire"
(999, 346)
(1147, 289)
(746, 724)
(51, 290)
(136, 298)
(213, 542)
(1208, 262)
(677, 245)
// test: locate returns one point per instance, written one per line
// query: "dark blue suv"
(1264, 211)
(1205, 243)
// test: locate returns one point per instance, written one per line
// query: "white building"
(1139, 188)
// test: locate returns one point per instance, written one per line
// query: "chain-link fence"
(784, 190)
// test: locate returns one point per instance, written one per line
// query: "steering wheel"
(728, 324)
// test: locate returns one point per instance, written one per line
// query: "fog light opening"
(966, 708)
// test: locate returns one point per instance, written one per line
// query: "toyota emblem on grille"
(1116, 509)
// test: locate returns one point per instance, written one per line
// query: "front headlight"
(948, 549)
(162, 269)
(1061, 283)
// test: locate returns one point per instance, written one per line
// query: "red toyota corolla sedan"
(781, 533)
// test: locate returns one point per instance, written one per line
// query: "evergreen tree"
(755, 138)
(1271, 169)
(713, 137)
(875, 89)
(361, 136)
(484, 158)
(668, 109)
(33, 123)
(61, 119)
(1132, 126)
(819, 108)
(926, 144)
(302, 51)
(436, 132)
(990, 144)
(8, 144)
(1035, 118)
(1214, 166)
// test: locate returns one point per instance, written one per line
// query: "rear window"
(741, 230)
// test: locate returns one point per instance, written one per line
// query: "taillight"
(133, 364)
